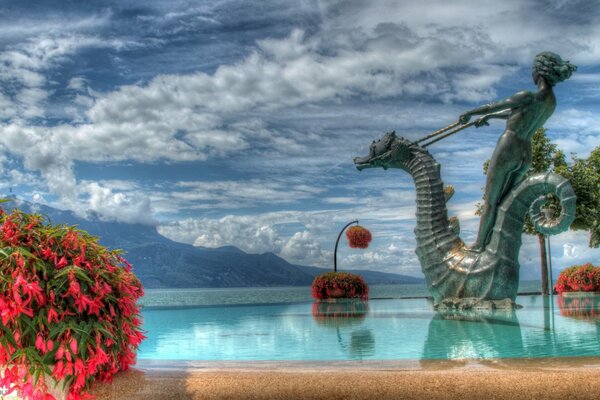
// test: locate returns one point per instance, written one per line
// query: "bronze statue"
(525, 112)
(458, 276)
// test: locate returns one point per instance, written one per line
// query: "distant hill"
(162, 263)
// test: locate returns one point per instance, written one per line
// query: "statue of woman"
(525, 112)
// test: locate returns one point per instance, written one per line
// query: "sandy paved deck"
(574, 378)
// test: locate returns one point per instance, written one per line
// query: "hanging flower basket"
(68, 308)
(333, 285)
(358, 237)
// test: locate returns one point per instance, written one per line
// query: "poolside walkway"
(573, 378)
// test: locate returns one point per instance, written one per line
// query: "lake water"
(276, 295)
(285, 324)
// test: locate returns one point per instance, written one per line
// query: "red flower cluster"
(353, 285)
(587, 308)
(358, 237)
(68, 308)
(579, 278)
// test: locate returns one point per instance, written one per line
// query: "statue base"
(473, 303)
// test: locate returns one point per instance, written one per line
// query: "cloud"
(197, 116)
(287, 113)
(245, 232)
(576, 131)
(32, 24)
(236, 194)
(302, 247)
(124, 207)
(306, 237)
(24, 65)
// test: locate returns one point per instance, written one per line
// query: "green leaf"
(99, 327)
(83, 341)
(58, 329)
(36, 376)
(82, 275)
(9, 335)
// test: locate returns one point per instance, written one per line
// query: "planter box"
(336, 293)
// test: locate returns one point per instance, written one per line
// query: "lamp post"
(337, 242)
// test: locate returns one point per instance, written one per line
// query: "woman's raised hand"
(482, 121)
(464, 118)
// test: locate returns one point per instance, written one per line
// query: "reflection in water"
(381, 330)
(347, 313)
(336, 313)
(362, 343)
(584, 307)
(457, 336)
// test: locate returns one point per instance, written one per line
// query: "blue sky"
(235, 122)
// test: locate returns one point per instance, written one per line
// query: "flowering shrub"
(358, 237)
(579, 278)
(352, 285)
(586, 308)
(68, 308)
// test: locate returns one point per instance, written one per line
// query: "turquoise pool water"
(386, 329)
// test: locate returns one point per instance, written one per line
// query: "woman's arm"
(503, 114)
(514, 101)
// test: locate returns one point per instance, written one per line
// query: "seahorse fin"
(448, 192)
(454, 225)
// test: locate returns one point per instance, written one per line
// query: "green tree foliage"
(545, 157)
(584, 175)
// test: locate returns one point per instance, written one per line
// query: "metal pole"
(337, 242)
(551, 281)
(454, 125)
(445, 135)
(550, 267)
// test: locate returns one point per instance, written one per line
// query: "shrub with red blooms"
(579, 278)
(68, 308)
(358, 237)
(353, 285)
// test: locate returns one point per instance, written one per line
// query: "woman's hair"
(552, 68)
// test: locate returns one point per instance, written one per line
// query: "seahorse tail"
(547, 224)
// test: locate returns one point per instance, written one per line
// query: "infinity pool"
(398, 329)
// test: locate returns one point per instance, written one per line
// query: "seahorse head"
(390, 151)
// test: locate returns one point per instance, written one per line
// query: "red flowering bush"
(358, 237)
(579, 278)
(352, 286)
(68, 308)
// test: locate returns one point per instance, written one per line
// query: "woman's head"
(552, 68)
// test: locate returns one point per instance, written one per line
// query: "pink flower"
(73, 346)
(62, 262)
(52, 315)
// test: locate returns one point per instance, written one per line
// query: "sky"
(229, 122)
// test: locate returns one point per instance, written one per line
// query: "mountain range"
(163, 263)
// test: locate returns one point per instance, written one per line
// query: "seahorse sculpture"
(451, 270)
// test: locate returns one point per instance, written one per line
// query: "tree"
(544, 157)
(584, 175)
